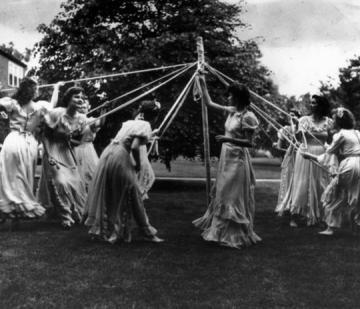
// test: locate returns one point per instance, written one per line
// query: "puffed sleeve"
(304, 124)
(284, 132)
(94, 124)
(249, 121)
(43, 105)
(52, 118)
(330, 123)
(337, 142)
(142, 129)
(8, 104)
(328, 158)
(83, 121)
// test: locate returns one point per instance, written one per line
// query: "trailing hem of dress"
(238, 241)
(21, 210)
(310, 221)
(288, 209)
(220, 233)
(99, 233)
(222, 211)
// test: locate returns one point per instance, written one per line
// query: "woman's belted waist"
(22, 131)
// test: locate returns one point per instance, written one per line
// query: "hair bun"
(149, 106)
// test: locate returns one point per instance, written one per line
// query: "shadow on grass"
(42, 266)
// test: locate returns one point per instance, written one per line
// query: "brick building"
(12, 70)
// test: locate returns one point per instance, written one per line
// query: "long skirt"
(114, 200)
(229, 219)
(18, 159)
(308, 184)
(341, 198)
(61, 188)
(146, 176)
(287, 171)
(87, 159)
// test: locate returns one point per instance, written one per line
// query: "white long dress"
(341, 199)
(86, 155)
(18, 160)
(229, 219)
(309, 180)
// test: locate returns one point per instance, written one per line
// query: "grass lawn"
(181, 168)
(264, 168)
(42, 266)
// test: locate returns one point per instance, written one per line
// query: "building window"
(16, 73)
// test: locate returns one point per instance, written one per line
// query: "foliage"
(96, 37)
(10, 49)
(347, 93)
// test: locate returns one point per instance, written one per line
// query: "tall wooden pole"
(205, 122)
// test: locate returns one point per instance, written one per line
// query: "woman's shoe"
(355, 224)
(66, 225)
(113, 238)
(328, 232)
(293, 223)
(153, 239)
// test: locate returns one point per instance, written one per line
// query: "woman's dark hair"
(69, 94)
(295, 112)
(344, 119)
(240, 93)
(26, 91)
(150, 110)
(323, 108)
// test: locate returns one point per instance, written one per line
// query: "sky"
(20, 18)
(303, 41)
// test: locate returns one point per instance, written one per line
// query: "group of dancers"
(75, 185)
(319, 181)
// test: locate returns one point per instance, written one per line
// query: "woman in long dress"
(229, 219)
(146, 175)
(18, 157)
(86, 154)
(115, 198)
(302, 199)
(287, 165)
(341, 199)
(61, 187)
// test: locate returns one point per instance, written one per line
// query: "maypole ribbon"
(268, 102)
(135, 90)
(111, 75)
(128, 103)
(264, 114)
(253, 93)
(174, 110)
(294, 145)
(265, 117)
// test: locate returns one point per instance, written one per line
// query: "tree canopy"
(347, 92)
(93, 37)
(10, 49)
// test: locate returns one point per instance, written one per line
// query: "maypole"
(205, 122)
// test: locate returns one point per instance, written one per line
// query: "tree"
(92, 37)
(347, 93)
(10, 49)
